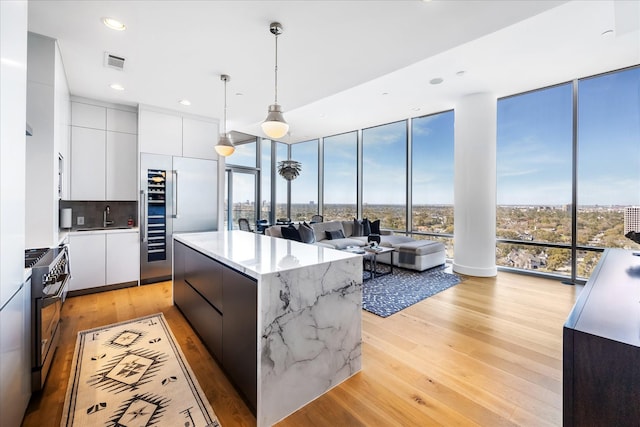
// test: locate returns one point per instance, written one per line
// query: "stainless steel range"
(50, 275)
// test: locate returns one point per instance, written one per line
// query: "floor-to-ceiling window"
(304, 189)
(538, 140)
(282, 187)
(241, 181)
(608, 162)
(384, 175)
(432, 148)
(534, 180)
(265, 180)
(244, 154)
(340, 195)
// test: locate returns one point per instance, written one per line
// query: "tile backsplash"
(93, 213)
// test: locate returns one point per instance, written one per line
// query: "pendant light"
(275, 125)
(225, 146)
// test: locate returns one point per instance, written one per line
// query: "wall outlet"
(80, 220)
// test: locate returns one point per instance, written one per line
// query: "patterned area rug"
(386, 295)
(133, 374)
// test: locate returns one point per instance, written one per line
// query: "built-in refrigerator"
(177, 195)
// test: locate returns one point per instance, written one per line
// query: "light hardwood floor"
(486, 352)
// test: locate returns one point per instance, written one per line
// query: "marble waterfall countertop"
(309, 331)
(255, 254)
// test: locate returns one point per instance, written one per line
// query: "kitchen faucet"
(105, 217)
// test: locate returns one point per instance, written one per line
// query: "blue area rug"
(386, 295)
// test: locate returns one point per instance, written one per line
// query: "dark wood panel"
(204, 318)
(205, 275)
(606, 382)
(240, 332)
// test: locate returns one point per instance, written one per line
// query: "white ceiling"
(342, 65)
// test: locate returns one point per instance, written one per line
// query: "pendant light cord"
(224, 123)
(276, 68)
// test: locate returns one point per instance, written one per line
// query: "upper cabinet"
(199, 138)
(48, 111)
(104, 151)
(160, 133)
(174, 134)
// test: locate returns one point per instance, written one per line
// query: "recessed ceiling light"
(114, 24)
(116, 86)
(185, 102)
(239, 93)
(607, 33)
(415, 109)
(385, 93)
(461, 73)
(436, 81)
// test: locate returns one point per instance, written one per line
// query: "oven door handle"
(47, 301)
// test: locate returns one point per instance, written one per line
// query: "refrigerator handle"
(175, 193)
(143, 216)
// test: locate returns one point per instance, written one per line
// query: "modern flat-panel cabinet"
(199, 138)
(121, 171)
(88, 160)
(240, 350)
(104, 153)
(103, 258)
(221, 305)
(122, 254)
(170, 133)
(87, 260)
(160, 133)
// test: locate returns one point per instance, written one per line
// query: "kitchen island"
(283, 318)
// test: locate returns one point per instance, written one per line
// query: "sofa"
(409, 253)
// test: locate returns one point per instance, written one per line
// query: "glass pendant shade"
(224, 147)
(275, 125)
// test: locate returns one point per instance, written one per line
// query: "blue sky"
(535, 143)
(534, 149)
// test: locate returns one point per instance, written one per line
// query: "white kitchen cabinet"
(87, 258)
(122, 121)
(123, 257)
(48, 113)
(175, 134)
(100, 258)
(121, 166)
(88, 116)
(160, 133)
(88, 164)
(15, 355)
(104, 153)
(199, 138)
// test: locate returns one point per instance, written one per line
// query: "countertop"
(609, 305)
(256, 255)
(104, 230)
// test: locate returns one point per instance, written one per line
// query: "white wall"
(15, 386)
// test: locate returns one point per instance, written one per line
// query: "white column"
(475, 186)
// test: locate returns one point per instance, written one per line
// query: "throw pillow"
(375, 227)
(332, 235)
(291, 233)
(306, 233)
(357, 228)
(366, 227)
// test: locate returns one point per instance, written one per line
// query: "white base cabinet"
(123, 258)
(87, 258)
(15, 351)
(103, 258)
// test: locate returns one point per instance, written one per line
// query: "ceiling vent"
(113, 61)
